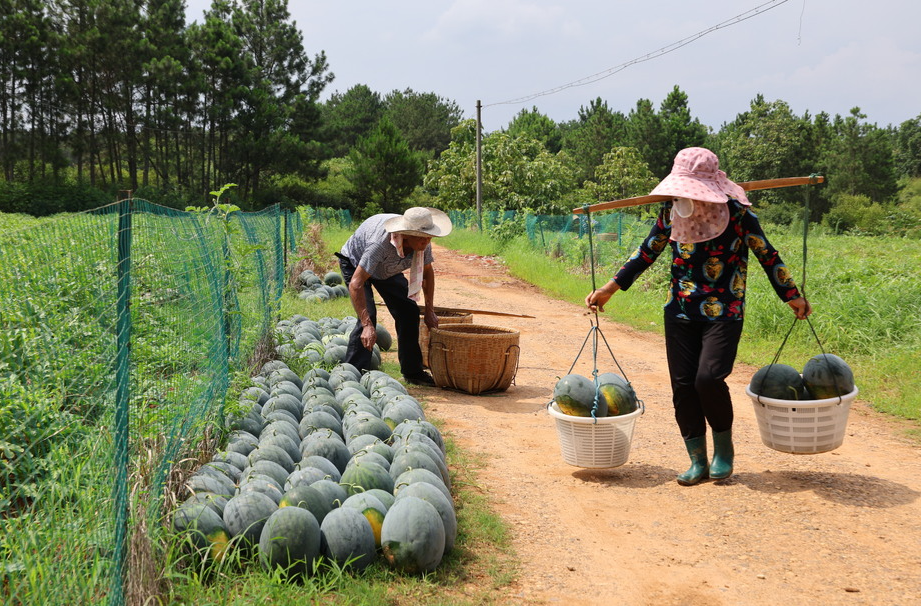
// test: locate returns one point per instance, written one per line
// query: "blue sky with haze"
(817, 55)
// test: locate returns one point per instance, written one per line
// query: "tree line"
(98, 96)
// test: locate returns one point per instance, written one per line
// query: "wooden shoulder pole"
(746, 185)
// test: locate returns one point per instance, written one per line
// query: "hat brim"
(694, 189)
(441, 226)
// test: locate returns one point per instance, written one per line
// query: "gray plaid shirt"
(370, 248)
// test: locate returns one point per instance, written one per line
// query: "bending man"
(376, 255)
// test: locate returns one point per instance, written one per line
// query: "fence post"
(122, 395)
(285, 243)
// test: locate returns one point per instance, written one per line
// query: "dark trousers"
(700, 357)
(395, 293)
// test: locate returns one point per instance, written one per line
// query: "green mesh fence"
(120, 329)
(564, 236)
(334, 216)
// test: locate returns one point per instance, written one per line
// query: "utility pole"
(479, 166)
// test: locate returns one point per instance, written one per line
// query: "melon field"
(530, 528)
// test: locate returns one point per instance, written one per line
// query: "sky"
(815, 55)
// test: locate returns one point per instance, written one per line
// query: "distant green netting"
(336, 216)
(202, 290)
(564, 235)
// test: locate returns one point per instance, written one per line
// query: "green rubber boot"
(697, 449)
(723, 454)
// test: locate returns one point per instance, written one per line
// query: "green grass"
(864, 290)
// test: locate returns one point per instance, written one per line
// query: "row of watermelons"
(333, 465)
(576, 395)
(313, 288)
(824, 376)
(323, 341)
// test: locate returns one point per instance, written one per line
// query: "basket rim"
(554, 409)
(464, 329)
(756, 399)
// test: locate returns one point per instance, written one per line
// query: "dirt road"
(842, 527)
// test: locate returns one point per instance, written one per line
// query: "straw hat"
(420, 221)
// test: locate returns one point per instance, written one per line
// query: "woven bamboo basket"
(444, 317)
(474, 358)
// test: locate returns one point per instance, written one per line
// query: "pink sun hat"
(696, 175)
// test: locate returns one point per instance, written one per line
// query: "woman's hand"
(801, 307)
(598, 297)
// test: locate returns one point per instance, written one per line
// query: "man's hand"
(430, 318)
(368, 336)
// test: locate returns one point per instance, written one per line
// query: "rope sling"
(802, 288)
(595, 331)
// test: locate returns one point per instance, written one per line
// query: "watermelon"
(245, 515)
(207, 482)
(778, 381)
(364, 424)
(324, 464)
(306, 475)
(384, 338)
(332, 278)
(347, 538)
(420, 475)
(827, 376)
(284, 442)
(290, 541)
(364, 475)
(274, 454)
(309, 498)
(617, 394)
(205, 529)
(408, 458)
(319, 419)
(445, 507)
(332, 492)
(265, 486)
(372, 508)
(407, 427)
(575, 395)
(413, 536)
(405, 408)
(369, 456)
(385, 497)
(214, 501)
(328, 448)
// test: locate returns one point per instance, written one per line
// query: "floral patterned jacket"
(708, 278)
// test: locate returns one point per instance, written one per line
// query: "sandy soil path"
(842, 527)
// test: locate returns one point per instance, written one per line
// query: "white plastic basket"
(802, 426)
(595, 443)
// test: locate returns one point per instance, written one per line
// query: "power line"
(762, 8)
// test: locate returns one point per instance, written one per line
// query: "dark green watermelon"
(575, 395)
(365, 475)
(778, 381)
(290, 541)
(413, 536)
(347, 538)
(827, 376)
(617, 394)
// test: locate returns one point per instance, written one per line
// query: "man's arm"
(357, 295)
